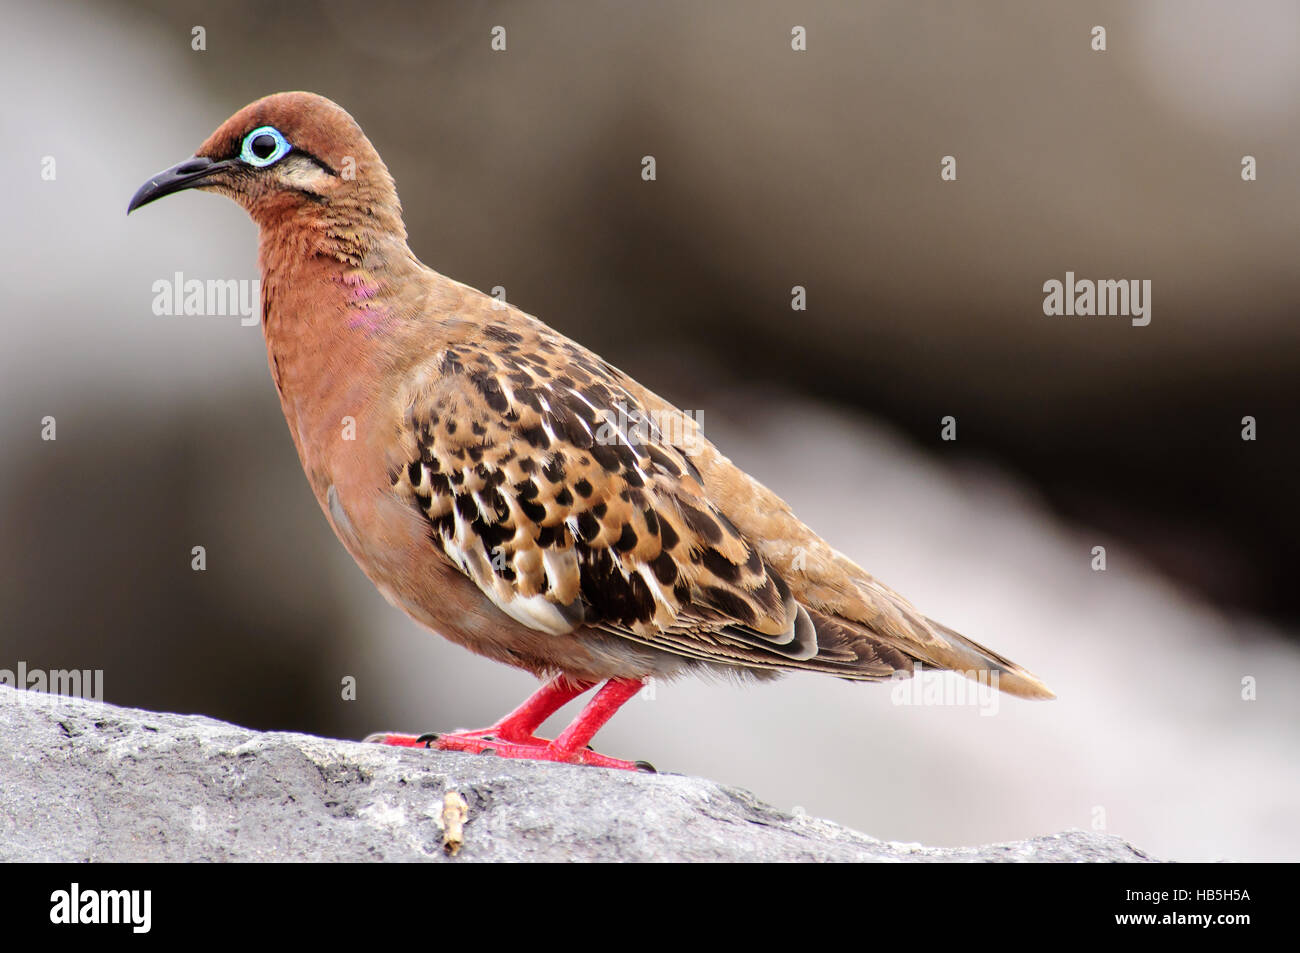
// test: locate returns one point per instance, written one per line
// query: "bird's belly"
(405, 565)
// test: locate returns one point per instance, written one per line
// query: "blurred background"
(522, 169)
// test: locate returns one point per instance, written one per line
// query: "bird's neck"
(365, 228)
(333, 308)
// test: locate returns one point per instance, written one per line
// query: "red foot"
(399, 741)
(540, 750)
(512, 736)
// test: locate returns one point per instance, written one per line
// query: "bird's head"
(283, 156)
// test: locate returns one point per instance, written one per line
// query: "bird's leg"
(571, 745)
(518, 726)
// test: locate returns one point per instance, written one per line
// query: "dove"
(510, 490)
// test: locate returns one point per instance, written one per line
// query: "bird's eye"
(263, 146)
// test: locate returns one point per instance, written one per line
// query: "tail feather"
(969, 658)
(851, 649)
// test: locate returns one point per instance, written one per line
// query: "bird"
(510, 490)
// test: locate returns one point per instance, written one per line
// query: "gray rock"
(86, 781)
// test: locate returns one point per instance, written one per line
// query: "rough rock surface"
(85, 781)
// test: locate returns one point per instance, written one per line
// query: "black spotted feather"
(546, 483)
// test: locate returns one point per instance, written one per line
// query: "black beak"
(189, 174)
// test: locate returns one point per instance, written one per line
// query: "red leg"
(613, 695)
(571, 745)
(512, 736)
(520, 724)
(517, 726)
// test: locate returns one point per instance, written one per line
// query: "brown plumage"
(506, 487)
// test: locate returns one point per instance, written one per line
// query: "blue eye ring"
(281, 149)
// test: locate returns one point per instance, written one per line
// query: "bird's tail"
(969, 658)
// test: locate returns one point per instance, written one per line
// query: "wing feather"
(567, 503)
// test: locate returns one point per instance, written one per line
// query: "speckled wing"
(545, 481)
